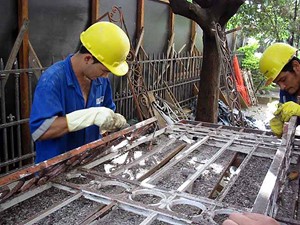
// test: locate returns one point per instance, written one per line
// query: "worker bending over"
(280, 65)
(73, 97)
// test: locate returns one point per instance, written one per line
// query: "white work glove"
(119, 120)
(100, 116)
(117, 123)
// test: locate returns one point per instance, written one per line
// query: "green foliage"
(250, 62)
(266, 21)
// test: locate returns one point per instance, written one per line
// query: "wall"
(55, 26)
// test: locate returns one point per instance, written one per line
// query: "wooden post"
(24, 82)
(140, 23)
(95, 11)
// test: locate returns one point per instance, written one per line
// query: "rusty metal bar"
(36, 168)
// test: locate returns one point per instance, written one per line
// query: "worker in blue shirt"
(73, 97)
(280, 65)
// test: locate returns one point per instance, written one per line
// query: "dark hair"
(83, 50)
(289, 65)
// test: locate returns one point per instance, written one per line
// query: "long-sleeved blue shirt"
(57, 94)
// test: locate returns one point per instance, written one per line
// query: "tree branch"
(191, 11)
(233, 5)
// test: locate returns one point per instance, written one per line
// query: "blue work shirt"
(57, 94)
(286, 97)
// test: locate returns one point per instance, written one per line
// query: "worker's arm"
(249, 219)
(103, 117)
(58, 128)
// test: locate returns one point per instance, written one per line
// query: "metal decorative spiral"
(227, 78)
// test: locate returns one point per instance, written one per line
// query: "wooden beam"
(171, 24)
(95, 11)
(164, 1)
(24, 82)
(140, 23)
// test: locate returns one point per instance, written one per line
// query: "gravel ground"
(287, 200)
(120, 216)
(179, 173)
(187, 210)
(147, 199)
(245, 189)
(204, 185)
(220, 218)
(73, 213)
(32, 206)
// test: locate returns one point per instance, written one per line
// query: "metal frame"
(189, 139)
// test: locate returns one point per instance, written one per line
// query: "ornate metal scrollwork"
(227, 78)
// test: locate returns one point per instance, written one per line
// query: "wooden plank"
(140, 23)
(94, 11)
(16, 47)
(24, 79)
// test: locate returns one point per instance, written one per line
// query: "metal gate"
(187, 173)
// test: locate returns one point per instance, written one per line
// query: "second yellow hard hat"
(274, 58)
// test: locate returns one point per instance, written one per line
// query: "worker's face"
(289, 80)
(95, 69)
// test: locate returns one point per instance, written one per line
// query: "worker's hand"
(118, 123)
(100, 116)
(249, 219)
(287, 110)
(276, 126)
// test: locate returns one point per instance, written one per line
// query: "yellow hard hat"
(109, 44)
(274, 58)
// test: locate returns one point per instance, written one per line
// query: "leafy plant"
(267, 21)
(250, 62)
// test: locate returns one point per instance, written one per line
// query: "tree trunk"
(207, 105)
(206, 13)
